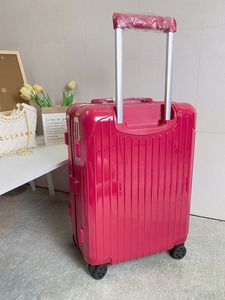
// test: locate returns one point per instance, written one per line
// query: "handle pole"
(168, 80)
(119, 74)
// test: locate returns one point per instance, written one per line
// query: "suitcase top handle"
(148, 22)
(134, 21)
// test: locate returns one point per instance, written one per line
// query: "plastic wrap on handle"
(135, 21)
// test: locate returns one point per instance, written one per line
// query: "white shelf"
(16, 170)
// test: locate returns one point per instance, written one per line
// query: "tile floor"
(39, 261)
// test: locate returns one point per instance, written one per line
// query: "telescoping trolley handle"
(134, 21)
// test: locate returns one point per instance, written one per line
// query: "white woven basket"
(17, 130)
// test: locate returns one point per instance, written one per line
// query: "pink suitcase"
(130, 168)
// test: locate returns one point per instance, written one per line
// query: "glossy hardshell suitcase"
(130, 168)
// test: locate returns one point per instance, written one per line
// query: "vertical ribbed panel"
(141, 186)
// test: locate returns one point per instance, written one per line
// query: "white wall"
(60, 40)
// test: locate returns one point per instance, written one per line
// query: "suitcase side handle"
(135, 22)
(149, 22)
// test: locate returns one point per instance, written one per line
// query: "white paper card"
(54, 126)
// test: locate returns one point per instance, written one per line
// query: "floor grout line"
(207, 218)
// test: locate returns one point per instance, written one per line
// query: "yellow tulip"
(27, 86)
(24, 97)
(25, 92)
(72, 84)
(37, 88)
(33, 92)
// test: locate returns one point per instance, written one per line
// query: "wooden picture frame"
(12, 78)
